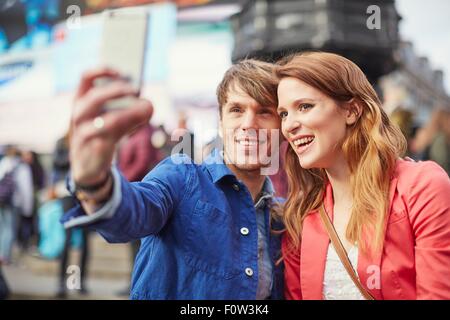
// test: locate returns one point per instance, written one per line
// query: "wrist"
(95, 194)
(89, 181)
(94, 185)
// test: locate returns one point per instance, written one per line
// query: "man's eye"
(305, 106)
(235, 110)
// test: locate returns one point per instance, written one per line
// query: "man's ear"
(353, 111)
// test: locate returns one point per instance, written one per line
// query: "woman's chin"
(307, 162)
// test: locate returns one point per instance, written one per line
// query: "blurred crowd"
(33, 197)
(22, 177)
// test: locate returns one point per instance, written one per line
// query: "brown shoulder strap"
(342, 253)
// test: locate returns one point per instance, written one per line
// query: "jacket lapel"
(314, 244)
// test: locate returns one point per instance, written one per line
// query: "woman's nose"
(290, 124)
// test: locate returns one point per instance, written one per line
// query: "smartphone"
(123, 47)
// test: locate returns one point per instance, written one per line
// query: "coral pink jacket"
(415, 260)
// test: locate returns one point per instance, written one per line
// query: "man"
(205, 228)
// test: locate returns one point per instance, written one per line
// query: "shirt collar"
(216, 167)
(218, 170)
(267, 193)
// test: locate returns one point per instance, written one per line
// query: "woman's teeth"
(301, 141)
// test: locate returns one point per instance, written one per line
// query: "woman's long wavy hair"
(371, 148)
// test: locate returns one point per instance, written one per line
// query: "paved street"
(31, 277)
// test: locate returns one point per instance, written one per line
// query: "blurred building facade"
(414, 86)
(365, 31)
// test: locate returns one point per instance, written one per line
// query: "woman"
(391, 215)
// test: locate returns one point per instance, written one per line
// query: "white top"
(337, 284)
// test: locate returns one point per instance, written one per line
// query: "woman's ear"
(353, 111)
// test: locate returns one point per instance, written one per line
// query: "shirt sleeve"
(429, 209)
(139, 209)
(105, 212)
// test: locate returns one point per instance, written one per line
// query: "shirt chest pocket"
(211, 245)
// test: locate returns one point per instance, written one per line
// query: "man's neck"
(252, 179)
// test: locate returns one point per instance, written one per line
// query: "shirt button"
(249, 272)
(236, 187)
(244, 231)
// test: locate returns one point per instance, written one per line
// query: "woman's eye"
(305, 106)
(282, 114)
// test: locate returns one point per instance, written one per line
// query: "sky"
(427, 25)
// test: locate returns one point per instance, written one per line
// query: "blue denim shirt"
(264, 261)
(198, 227)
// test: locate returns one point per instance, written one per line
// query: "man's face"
(249, 131)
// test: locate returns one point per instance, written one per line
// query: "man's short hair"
(254, 77)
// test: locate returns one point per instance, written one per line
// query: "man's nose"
(249, 121)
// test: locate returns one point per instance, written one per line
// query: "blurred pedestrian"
(404, 119)
(28, 224)
(137, 155)
(161, 141)
(434, 139)
(61, 166)
(4, 288)
(16, 198)
(186, 136)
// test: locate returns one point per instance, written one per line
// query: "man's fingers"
(88, 78)
(91, 104)
(115, 124)
(135, 116)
